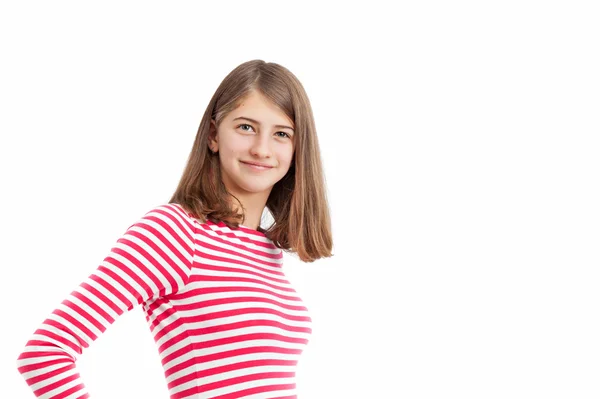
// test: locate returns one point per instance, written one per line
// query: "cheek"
(233, 150)
(290, 156)
(286, 154)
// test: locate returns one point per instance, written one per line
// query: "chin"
(257, 190)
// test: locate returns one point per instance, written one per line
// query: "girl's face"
(255, 132)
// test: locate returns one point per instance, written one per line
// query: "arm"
(153, 258)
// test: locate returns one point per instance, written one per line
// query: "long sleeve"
(152, 259)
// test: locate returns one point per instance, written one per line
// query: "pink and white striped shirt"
(226, 321)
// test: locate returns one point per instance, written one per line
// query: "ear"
(213, 142)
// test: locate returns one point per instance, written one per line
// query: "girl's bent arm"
(152, 259)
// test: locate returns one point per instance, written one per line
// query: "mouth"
(257, 165)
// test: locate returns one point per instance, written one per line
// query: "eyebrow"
(258, 123)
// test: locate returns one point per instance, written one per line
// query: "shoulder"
(170, 216)
(171, 208)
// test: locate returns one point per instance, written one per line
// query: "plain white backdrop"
(461, 149)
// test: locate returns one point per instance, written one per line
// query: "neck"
(254, 205)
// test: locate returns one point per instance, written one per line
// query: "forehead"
(256, 106)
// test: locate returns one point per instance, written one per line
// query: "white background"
(460, 142)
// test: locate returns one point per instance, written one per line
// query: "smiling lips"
(257, 165)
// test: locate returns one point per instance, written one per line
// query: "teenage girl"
(226, 321)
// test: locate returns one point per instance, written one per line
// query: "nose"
(260, 146)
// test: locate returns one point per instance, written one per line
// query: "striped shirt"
(226, 321)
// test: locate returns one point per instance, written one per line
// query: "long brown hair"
(298, 202)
